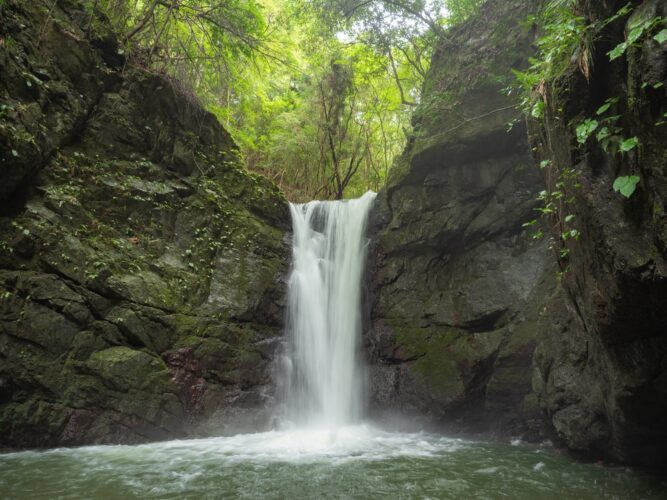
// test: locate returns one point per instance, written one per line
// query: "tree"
(317, 93)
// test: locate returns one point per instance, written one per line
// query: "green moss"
(433, 362)
(125, 368)
(190, 341)
(444, 357)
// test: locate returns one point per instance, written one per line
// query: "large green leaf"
(626, 185)
(585, 129)
(629, 144)
(617, 51)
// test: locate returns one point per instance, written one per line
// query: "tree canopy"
(318, 94)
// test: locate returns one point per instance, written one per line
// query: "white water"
(321, 376)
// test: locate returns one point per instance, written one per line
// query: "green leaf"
(617, 51)
(661, 37)
(635, 34)
(626, 185)
(569, 218)
(603, 108)
(585, 129)
(629, 144)
(15, 153)
(538, 110)
(602, 134)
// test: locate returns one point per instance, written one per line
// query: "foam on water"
(351, 462)
(360, 442)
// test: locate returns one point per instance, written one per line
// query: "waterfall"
(322, 377)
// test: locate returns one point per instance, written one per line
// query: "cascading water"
(322, 377)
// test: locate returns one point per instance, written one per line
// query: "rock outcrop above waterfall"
(141, 267)
(470, 328)
(458, 283)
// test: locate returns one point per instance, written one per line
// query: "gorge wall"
(458, 283)
(141, 267)
(471, 330)
(601, 366)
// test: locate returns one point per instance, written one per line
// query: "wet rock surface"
(470, 330)
(458, 283)
(141, 267)
(601, 365)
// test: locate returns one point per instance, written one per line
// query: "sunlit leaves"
(636, 33)
(258, 65)
(603, 109)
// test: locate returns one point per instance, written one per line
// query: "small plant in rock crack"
(555, 211)
(606, 131)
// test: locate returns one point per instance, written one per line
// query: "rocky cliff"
(469, 325)
(601, 366)
(140, 265)
(458, 282)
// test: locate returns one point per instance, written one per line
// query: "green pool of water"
(352, 462)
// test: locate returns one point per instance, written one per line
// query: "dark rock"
(600, 362)
(141, 266)
(459, 282)
(469, 327)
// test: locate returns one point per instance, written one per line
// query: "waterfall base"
(352, 462)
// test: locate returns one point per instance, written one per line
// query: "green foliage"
(626, 185)
(608, 134)
(555, 211)
(566, 44)
(636, 34)
(460, 10)
(585, 129)
(263, 67)
(661, 37)
(628, 144)
(565, 37)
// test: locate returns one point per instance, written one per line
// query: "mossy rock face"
(584, 364)
(458, 282)
(126, 368)
(49, 83)
(129, 225)
(463, 98)
(602, 355)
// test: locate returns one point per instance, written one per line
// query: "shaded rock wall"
(469, 328)
(601, 368)
(141, 268)
(459, 285)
